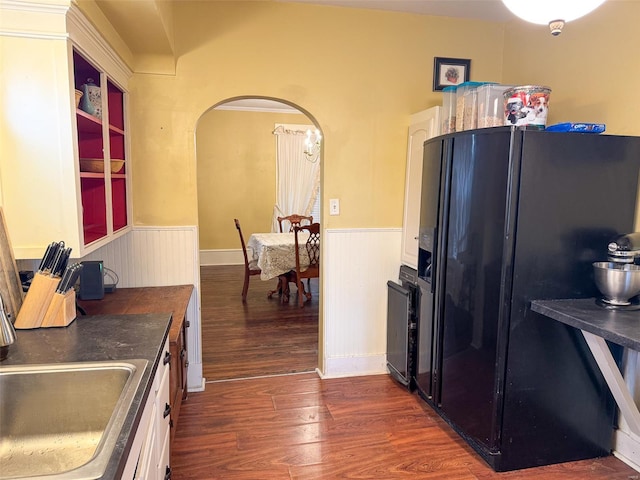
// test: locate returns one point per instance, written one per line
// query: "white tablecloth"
(275, 253)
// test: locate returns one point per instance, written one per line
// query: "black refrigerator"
(510, 215)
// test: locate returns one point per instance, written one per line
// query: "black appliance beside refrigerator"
(402, 323)
(510, 215)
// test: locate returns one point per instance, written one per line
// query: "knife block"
(36, 303)
(61, 311)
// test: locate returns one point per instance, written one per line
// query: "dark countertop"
(174, 298)
(96, 338)
(617, 326)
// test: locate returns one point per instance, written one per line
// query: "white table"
(275, 253)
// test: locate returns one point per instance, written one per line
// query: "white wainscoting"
(627, 445)
(161, 256)
(357, 265)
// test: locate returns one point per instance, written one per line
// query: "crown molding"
(33, 19)
(88, 41)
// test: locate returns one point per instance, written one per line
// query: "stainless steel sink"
(63, 420)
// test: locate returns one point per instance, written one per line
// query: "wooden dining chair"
(250, 266)
(294, 221)
(312, 246)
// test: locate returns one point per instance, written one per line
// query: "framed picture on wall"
(450, 71)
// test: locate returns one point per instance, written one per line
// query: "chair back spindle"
(312, 246)
(294, 221)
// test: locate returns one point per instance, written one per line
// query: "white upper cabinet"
(423, 126)
(46, 192)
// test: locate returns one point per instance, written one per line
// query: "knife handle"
(62, 286)
(45, 257)
(61, 264)
(56, 260)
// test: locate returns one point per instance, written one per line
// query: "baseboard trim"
(627, 448)
(338, 367)
(195, 380)
(221, 257)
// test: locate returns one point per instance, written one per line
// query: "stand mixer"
(625, 249)
(618, 279)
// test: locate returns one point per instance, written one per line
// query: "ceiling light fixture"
(312, 145)
(554, 13)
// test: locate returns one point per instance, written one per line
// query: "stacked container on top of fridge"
(449, 109)
(490, 98)
(466, 105)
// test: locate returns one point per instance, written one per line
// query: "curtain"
(297, 178)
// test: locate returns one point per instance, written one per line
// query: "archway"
(235, 155)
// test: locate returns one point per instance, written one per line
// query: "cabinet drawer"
(148, 455)
(141, 443)
(163, 412)
(164, 467)
(162, 399)
(163, 368)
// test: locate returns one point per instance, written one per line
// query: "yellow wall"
(359, 73)
(593, 67)
(236, 164)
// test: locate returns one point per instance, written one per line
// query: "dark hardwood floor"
(261, 337)
(303, 427)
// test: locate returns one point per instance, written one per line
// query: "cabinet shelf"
(88, 123)
(115, 130)
(91, 175)
(93, 233)
(104, 194)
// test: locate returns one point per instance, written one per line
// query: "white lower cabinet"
(163, 419)
(149, 455)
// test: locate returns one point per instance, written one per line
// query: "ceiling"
(155, 37)
(475, 9)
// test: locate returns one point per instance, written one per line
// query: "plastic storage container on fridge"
(491, 105)
(466, 115)
(449, 109)
(470, 120)
(460, 105)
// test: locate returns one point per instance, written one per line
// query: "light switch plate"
(334, 206)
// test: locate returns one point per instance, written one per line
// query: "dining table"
(275, 255)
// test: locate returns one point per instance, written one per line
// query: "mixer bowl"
(618, 283)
